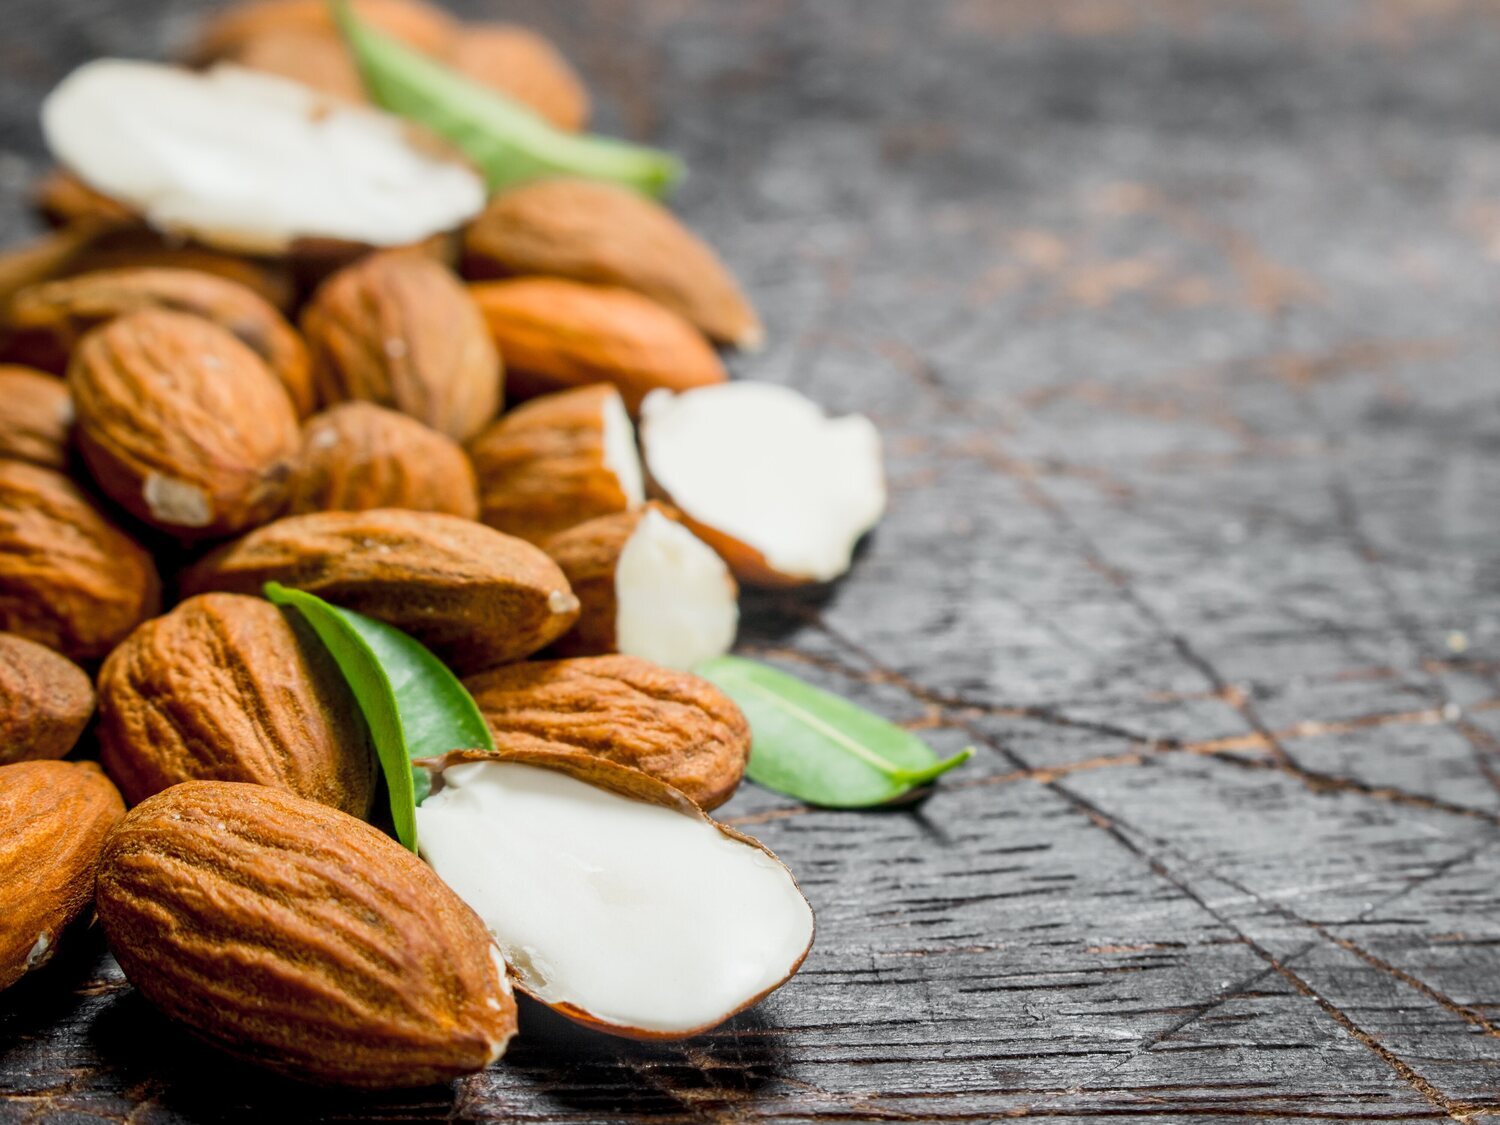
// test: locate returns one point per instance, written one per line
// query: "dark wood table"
(1180, 319)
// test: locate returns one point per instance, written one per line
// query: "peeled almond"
(782, 491)
(615, 900)
(251, 162)
(557, 461)
(649, 587)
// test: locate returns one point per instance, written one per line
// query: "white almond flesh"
(620, 454)
(675, 602)
(644, 918)
(765, 466)
(251, 162)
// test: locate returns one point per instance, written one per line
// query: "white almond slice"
(675, 602)
(620, 454)
(613, 898)
(777, 487)
(251, 162)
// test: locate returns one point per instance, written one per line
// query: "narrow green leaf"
(415, 707)
(505, 139)
(819, 748)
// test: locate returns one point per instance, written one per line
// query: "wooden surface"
(1180, 321)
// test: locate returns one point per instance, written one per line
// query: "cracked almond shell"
(45, 701)
(474, 596)
(69, 578)
(226, 688)
(36, 417)
(56, 817)
(300, 939)
(672, 725)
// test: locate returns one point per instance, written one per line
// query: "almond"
(597, 232)
(69, 578)
(671, 725)
(397, 329)
(647, 587)
(56, 817)
(64, 199)
(45, 701)
(313, 58)
(357, 456)
(181, 424)
(300, 939)
(556, 461)
(472, 595)
(420, 25)
(224, 688)
(525, 66)
(36, 417)
(59, 313)
(556, 334)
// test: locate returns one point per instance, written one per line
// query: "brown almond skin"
(313, 58)
(69, 578)
(556, 334)
(56, 315)
(397, 329)
(601, 233)
(301, 940)
(36, 417)
(45, 701)
(541, 467)
(56, 817)
(225, 688)
(672, 725)
(525, 66)
(64, 199)
(181, 424)
(423, 26)
(357, 456)
(472, 595)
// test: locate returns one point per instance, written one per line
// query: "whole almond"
(226, 688)
(396, 328)
(546, 465)
(56, 316)
(300, 939)
(181, 424)
(69, 578)
(525, 66)
(672, 725)
(45, 701)
(36, 417)
(64, 199)
(556, 334)
(56, 817)
(590, 231)
(472, 595)
(357, 456)
(423, 26)
(313, 58)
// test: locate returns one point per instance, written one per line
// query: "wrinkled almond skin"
(397, 329)
(541, 467)
(556, 334)
(227, 688)
(423, 26)
(181, 424)
(357, 456)
(45, 701)
(300, 939)
(672, 725)
(69, 578)
(525, 66)
(609, 235)
(56, 817)
(59, 313)
(472, 595)
(36, 417)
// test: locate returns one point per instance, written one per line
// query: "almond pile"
(277, 336)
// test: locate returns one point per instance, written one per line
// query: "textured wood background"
(1180, 319)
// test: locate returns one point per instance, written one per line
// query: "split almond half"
(250, 162)
(648, 587)
(557, 461)
(782, 491)
(615, 900)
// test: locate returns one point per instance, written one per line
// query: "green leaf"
(414, 705)
(820, 748)
(507, 141)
